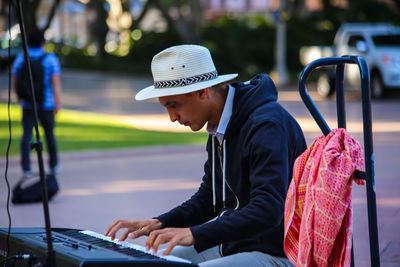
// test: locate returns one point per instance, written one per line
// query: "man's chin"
(194, 128)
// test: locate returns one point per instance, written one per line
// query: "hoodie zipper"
(230, 188)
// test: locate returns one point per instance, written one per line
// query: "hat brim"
(151, 92)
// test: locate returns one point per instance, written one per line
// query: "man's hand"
(57, 108)
(173, 236)
(135, 228)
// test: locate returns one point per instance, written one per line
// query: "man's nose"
(173, 116)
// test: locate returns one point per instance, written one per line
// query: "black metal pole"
(340, 103)
(307, 99)
(51, 259)
(369, 163)
(341, 115)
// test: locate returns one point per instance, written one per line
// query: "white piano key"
(131, 245)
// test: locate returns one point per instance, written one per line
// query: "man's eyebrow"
(169, 103)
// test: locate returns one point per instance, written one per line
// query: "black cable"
(9, 129)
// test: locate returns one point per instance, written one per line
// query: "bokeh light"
(136, 34)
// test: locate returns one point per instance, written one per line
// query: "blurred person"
(236, 216)
(46, 72)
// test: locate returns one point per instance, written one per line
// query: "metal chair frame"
(369, 174)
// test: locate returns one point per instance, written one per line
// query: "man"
(46, 109)
(236, 216)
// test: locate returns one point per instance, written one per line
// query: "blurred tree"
(99, 27)
(184, 17)
(117, 21)
(372, 11)
(297, 9)
(30, 9)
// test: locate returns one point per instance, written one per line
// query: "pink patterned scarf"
(318, 211)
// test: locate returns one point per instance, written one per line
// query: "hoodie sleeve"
(267, 153)
(197, 210)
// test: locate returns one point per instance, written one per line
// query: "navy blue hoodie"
(262, 141)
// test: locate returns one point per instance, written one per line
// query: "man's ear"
(204, 93)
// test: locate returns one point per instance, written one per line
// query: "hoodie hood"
(249, 96)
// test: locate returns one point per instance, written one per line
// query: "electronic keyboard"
(80, 248)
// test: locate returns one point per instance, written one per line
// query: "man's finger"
(124, 235)
(170, 247)
(111, 227)
(115, 229)
(111, 233)
(141, 232)
(161, 239)
(117, 226)
(153, 235)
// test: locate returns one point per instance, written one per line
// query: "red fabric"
(318, 211)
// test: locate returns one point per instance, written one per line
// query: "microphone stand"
(51, 256)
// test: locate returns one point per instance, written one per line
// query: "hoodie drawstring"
(223, 173)
(213, 173)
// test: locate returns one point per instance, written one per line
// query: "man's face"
(188, 109)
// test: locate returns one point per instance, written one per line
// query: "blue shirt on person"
(51, 66)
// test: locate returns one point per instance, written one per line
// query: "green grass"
(88, 131)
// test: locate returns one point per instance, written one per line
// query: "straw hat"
(182, 69)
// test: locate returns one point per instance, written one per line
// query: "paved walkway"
(98, 187)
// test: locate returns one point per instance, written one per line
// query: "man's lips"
(184, 123)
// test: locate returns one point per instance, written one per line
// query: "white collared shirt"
(219, 132)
